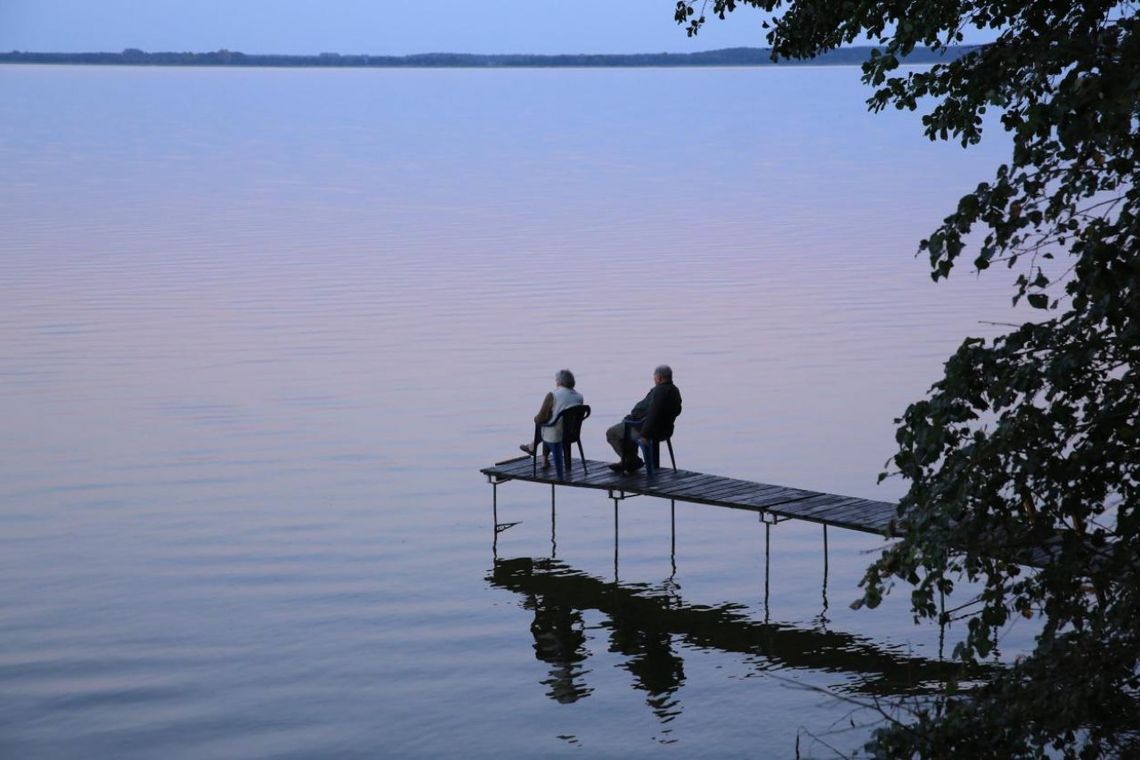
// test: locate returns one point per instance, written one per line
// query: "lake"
(261, 329)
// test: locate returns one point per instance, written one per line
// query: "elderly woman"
(562, 397)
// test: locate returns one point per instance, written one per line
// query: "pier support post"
(553, 541)
(825, 554)
(673, 535)
(615, 540)
(823, 614)
(499, 527)
(767, 557)
(494, 519)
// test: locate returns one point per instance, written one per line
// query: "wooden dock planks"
(864, 515)
(782, 502)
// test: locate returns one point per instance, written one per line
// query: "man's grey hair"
(664, 371)
(565, 378)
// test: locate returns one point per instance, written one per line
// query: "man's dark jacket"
(657, 411)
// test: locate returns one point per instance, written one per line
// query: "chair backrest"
(572, 417)
(673, 412)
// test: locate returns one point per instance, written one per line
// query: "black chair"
(572, 418)
(651, 452)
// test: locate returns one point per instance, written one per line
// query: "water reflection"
(560, 641)
(226, 295)
(650, 625)
(656, 668)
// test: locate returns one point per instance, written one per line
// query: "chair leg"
(647, 455)
(669, 443)
(582, 454)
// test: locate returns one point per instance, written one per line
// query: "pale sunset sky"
(375, 27)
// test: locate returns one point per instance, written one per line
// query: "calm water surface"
(262, 328)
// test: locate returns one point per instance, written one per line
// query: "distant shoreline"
(724, 57)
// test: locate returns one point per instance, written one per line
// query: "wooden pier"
(774, 503)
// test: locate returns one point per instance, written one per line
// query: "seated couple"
(651, 419)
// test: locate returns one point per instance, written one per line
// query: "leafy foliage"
(1027, 452)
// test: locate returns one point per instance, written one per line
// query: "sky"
(374, 27)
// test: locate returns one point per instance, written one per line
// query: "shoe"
(627, 468)
(527, 447)
(546, 464)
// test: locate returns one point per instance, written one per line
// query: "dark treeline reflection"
(650, 626)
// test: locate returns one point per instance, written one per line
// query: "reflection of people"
(562, 397)
(650, 420)
(560, 641)
(656, 668)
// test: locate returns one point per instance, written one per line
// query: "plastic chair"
(572, 418)
(651, 452)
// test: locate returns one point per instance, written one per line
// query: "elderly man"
(650, 420)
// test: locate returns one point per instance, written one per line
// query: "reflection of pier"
(647, 623)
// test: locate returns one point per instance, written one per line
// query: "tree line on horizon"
(740, 56)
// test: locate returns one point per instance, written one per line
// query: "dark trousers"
(622, 437)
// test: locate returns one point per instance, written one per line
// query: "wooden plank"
(767, 493)
(881, 514)
(736, 495)
(856, 526)
(574, 477)
(874, 520)
(853, 520)
(712, 486)
(870, 508)
(831, 511)
(792, 494)
(826, 501)
(701, 478)
(709, 486)
(722, 499)
(727, 504)
(820, 512)
(737, 505)
(776, 502)
(700, 494)
(855, 516)
(594, 479)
